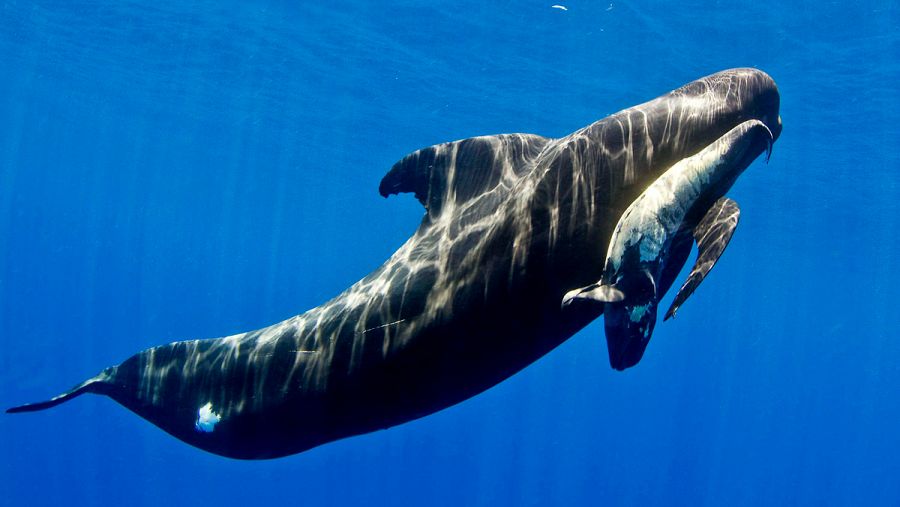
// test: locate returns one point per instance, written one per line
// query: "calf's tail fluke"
(98, 384)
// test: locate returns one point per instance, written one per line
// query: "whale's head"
(703, 110)
(629, 322)
(648, 138)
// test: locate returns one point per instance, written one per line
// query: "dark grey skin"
(512, 223)
(686, 201)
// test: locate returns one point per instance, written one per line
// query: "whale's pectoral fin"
(461, 170)
(712, 235)
(593, 294)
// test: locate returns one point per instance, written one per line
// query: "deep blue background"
(173, 170)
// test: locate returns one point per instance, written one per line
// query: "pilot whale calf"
(513, 223)
(639, 250)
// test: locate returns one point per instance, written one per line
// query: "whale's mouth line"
(769, 142)
(774, 128)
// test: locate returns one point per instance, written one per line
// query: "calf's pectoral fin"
(712, 235)
(593, 294)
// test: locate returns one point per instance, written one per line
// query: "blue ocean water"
(174, 170)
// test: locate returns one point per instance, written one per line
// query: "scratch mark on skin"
(382, 326)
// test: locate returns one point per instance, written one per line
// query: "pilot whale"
(516, 252)
(637, 261)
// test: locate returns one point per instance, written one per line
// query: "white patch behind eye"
(206, 419)
(638, 312)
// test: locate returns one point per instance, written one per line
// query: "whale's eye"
(206, 419)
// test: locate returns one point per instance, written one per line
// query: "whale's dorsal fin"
(461, 170)
(712, 235)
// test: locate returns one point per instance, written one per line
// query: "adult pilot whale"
(513, 224)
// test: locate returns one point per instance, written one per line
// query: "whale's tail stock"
(100, 384)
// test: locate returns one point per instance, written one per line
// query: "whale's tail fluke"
(99, 384)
